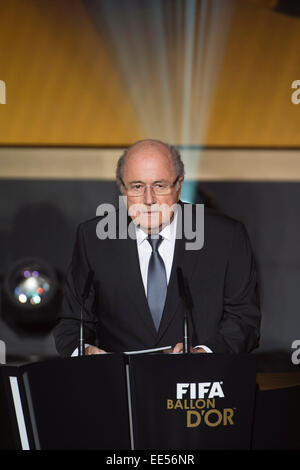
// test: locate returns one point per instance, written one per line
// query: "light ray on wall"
(169, 54)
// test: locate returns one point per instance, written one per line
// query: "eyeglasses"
(160, 188)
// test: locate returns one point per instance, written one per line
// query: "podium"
(194, 401)
(135, 402)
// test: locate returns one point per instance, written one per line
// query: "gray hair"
(173, 151)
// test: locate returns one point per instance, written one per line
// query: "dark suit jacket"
(221, 277)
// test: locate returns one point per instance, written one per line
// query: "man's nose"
(149, 196)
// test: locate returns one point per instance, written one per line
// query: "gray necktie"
(156, 282)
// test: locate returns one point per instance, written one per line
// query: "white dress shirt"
(165, 249)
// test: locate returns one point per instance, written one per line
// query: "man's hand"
(178, 348)
(90, 350)
(197, 350)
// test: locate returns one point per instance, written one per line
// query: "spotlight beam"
(169, 53)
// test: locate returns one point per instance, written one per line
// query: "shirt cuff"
(206, 348)
(75, 353)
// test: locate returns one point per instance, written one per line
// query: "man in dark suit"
(134, 302)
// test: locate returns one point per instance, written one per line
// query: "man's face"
(148, 164)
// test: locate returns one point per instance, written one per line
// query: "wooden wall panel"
(64, 87)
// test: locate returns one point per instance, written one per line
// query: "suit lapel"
(172, 299)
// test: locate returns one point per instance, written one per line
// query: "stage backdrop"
(101, 72)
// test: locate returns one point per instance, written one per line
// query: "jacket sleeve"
(66, 332)
(239, 328)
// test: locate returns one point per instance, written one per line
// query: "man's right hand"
(90, 350)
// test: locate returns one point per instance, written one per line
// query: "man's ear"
(122, 189)
(179, 183)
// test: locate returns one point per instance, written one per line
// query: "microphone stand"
(81, 349)
(186, 334)
(183, 295)
(85, 294)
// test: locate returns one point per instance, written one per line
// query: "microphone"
(84, 296)
(186, 304)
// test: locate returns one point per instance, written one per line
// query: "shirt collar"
(168, 232)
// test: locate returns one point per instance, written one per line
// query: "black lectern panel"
(75, 403)
(80, 403)
(194, 401)
(9, 436)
